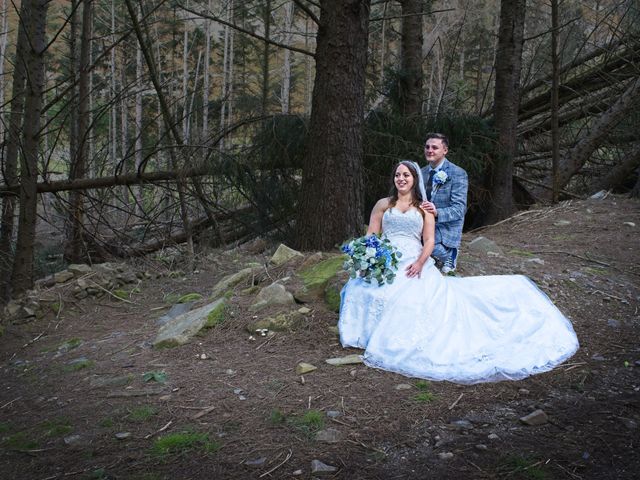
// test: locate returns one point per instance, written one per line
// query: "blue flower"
(370, 258)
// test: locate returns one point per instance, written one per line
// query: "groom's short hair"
(439, 136)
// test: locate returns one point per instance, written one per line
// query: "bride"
(465, 330)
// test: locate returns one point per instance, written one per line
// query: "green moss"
(19, 441)
(183, 442)
(58, 427)
(79, 365)
(142, 413)
(596, 270)
(121, 294)
(251, 290)
(277, 417)
(317, 275)
(424, 397)
(423, 385)
(56, 307)
(523, 467)
(70, 344)
(4, 427)
(332, 298)
(311, 421)
(190, 297)
(216, 316)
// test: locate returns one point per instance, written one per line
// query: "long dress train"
(465, 330)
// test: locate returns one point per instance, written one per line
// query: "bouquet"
(371, 257)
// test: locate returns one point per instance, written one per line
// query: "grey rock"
(484, 245)
(100, 382)
(123, 435)
(333, 413)
(330, 435)
(73, 440)
(283, 255)
(629, 224)
(176, 310)
(599, 195)
(256, 462)
(303, 368)
(274, 294)
(347, 360)
(79, 269)
(461, 425)
(562, 223)
(613, 323)
(63, 276)
(537, 417)
(403, 386)
(445, 456)
(481, 447)
(493, 437)
(182, 328)
(319, 468)
(296, 473)
(230, 281)
(536, 260)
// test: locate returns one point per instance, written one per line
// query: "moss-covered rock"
(216, 316)
(282, 322)
(316, 277)
(190, 297)
(181, 329)
(284, 255)
(230, 281)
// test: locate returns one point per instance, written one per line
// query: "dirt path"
(74, 402)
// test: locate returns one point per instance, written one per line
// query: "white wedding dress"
(465, 330)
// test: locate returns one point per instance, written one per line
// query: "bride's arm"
(375, 221)
(428, 241)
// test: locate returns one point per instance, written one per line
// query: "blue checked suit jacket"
(451, 202)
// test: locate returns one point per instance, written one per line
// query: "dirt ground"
(74, 402)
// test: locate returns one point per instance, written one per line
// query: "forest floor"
(74, 402)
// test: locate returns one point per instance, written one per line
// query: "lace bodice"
(404, 231)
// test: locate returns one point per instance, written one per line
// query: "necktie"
(430, 184)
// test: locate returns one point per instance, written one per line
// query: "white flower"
(440, 177)
(370, 252)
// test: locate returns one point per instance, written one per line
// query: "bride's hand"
(414, 269)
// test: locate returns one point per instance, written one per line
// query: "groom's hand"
(429, 207)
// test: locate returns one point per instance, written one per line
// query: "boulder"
(79, 269)
(274, 294)
(484, 245)
(316, 278)
(282, 322)
(63, 276)
(230, 281)
(182, 328)
(284, 255)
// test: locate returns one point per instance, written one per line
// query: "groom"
(446, 185)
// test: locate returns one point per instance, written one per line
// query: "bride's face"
(403, 179)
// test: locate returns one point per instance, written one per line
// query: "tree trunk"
(35, 14)
(138, 126)
(205, 77)
(507, 88)
(619, 174)
(577, 156)
(411, 58)
(265, 57)
(74, 247)
(332, 206)
(285, 91)
(555, 85)
(12, 144)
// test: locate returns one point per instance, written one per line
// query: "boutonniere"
(439, 179)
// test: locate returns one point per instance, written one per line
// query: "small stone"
(481, 447)
(613, 323)
(296, 473)
(629, 224)
(203, 356)
(561, 223)
(537, 417)
(353, 372)
(333, 413)
(123, 435)
(403, 386)
(318, 468)
(493, 437)
(629, 423)
(229, 371)
(524, 391)
(73, 439)
(461, 424)
(79, 269)
(63, 276)
(241, 397)
(237, 391)
(164, 398)
(304, 310)
(445, 456)
(303, 368)
(599, 195)
(257, 462)
(598, 357)
(330, 435)
(348, 360)
(536, 260)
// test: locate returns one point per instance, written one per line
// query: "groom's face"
(434, 151)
